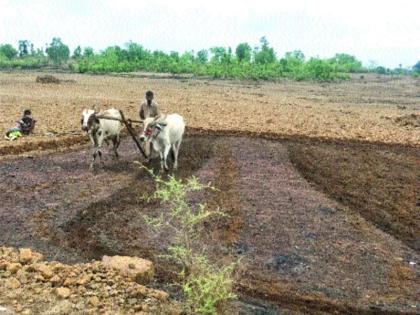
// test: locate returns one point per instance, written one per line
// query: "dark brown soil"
(300, 249)
(382, 184)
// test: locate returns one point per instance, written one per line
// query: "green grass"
(206, 286)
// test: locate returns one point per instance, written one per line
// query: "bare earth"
(324, 214)
(364, 109)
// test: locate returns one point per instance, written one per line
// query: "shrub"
(319, 69)
(206, 286)
(57, 51)
(381, 70)
(259, 63)
(347, 63)
(23, 63)
(8, 51)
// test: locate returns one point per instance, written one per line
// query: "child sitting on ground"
(24, 126)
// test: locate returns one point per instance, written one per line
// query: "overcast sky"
(387, 32)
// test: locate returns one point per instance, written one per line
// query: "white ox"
(100, 130)
(165, 132)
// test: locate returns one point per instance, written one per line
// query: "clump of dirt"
(408, 120)
(383, 185)
(46, 79)
(30, 286)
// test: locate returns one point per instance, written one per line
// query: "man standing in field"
(149, 108)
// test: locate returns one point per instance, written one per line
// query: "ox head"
(88, 119)
(152, 126)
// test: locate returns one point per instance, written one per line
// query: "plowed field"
(321, 182)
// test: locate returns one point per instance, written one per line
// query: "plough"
(129, 127)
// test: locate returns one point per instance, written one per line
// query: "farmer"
(148, 108)
(24, 126)
(27, 122)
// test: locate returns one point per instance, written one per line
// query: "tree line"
(260, 62)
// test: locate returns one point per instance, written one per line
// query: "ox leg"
(161, 160)
(165, 156)
(94, 155)
(175, 155)
(176, 151)
(116, 143)
(148, 150)
(100, 156)
(100, 142)
(173, 151)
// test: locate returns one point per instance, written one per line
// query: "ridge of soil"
(383, 186)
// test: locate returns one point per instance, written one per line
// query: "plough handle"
(132, 134)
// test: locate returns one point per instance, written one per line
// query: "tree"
(296, 54)
(347, 63)
(203, 56)
(174, 55)
(381, 70)
(88, 52)
(218, 53)
(121, 54)
(227, 57)
(399, 70)
(264, 54)
(23, 48)
(136, 52)
(77, 54)
(187, 57)
(57, 51)
(243, 52)
(39, 52)
(293, 61)
(416, 67)
(8, 51)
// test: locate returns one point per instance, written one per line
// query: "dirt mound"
(31, 286)
(408, 120)
(46, 79)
